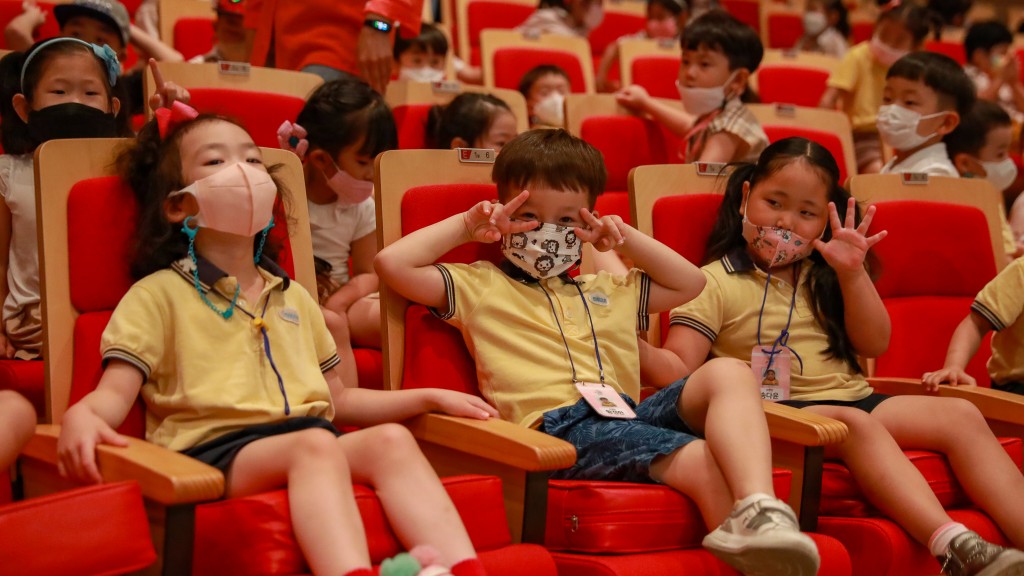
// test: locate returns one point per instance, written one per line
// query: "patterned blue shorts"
(610, 449)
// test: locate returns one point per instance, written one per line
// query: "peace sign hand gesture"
(846, 251)
(488, 221)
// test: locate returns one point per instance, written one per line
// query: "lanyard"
(597, 352)
(783, 340)
(262, 326)
(696, 133)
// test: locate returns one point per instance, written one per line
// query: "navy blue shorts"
(221, 451)
(611, 449)
(1012, 387)
(866, 404)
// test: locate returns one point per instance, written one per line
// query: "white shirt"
(18, 190)
(335, 227)
(932, 160)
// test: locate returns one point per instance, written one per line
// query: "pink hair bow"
(293, 137)
(168, 119)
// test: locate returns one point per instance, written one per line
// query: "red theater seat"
(490, 14)
(193, 36)
(791, 84)
(784, 29)
(508, 55)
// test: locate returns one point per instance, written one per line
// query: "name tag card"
(605, 400)
(774, 379)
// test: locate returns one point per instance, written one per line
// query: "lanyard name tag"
(774, 379)
(605, 400)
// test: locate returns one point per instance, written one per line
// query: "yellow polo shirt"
(510, 330)
(1001, 303)
(206, 376)
(727, 311)
(864, 78)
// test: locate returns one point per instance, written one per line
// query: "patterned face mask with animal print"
(549, 250)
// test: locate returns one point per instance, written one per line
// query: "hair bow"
(293, 137)
(168, 119)
(109, 58)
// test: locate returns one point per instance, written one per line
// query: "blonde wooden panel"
(492, 40)
(632, 48)
(173, 10)
(462, 22)
(579, 107)
(404, 92)
(817, 118)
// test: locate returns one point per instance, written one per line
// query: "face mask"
(885, 55)
(773, 245)
(1001, 174)
(549, 250)
(814, 23)
(350, 190)
(422, 74)
(898, 127)
(238, 200)
(70, 120)
(701, 101)
(665, 28)
(594, 16)
(551, 110)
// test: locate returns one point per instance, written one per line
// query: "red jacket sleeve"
(406, 13)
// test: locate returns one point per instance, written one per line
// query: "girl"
(665, 18)
(347, 124)
(237, 368)
(826, 28)
(773, 215)
(471, 120)
(564, 18)
(855, 87)
(60, 88)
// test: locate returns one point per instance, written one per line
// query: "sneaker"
(970, 555)
(764, 539)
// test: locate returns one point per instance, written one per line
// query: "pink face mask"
(349, 190)
(238, 199)
(773, 245)
(664, 28)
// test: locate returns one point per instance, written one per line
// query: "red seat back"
(193, 36)
(954, 50)
(657, 74)
(614, 26)
(512, 62)
(746, 11)
(616, 203)
(791, 84)
(861, 31)
(830, 140)
(627, 142)
(259, 112)
(486, 14)
(784, 29)
(9, 9)
(411, 120)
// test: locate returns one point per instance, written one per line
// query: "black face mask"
(70, 120)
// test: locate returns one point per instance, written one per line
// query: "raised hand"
(166, 92)
(604, 233)
(633, 97)
(846, 251)
(488, 221)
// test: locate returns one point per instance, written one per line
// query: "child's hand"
(81, 432)
(846, 250)
(633, 97)
(603, 233)
(488, 221)
(166, 92)
(459, 404)
(34, 13)
(1010, 70)
(951, 376)
(6, 349)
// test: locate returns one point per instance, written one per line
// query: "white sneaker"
(763, 538)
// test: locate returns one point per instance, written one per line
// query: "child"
(925, 96)
(564, 18)
(19, 418)
(60, 88)
(826, 28)
(422, 59)
(665, 18)
(471, 120)
(719, 55)
(570, 334)
(347, 125)
(787, 238)
(545, 88)
(993, 68)
(209, 297)
(980, 148)
(999, 306)
(228, 33)
(856, 86)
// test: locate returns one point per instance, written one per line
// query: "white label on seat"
(476, 155)
(915, 178)
(710, 168)
(234, 68)
(446, 87)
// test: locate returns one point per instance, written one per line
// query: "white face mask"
(421, 74)
(701, 101)
(349, 190)
(1001, 174)
(551, 110)
(594, 16)
(898, 127)
(238, 199)
(885, 54)
(814, 23)
(546, 251)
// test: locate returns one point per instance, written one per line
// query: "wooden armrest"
(803, 426)
(898, 386)
(495, 440)
(165, 476)
(994, 404)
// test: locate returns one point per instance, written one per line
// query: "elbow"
(875, 346)
(384, 265)
(695, 285)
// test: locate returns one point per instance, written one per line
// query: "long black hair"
(469, 116)
(727, 235)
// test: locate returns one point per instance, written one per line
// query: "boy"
(572, 334)
(924, 98)
(719, 55)
(980, 148)
(1000, 307)
(545, 88)
(422, 58)
(228, 33)
(994, 70)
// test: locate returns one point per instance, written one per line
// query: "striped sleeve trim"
(126, 356)
(989, 315)
(449, 294)
(329, 363)
(643, 319)
(696, 325)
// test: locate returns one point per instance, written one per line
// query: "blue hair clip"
(105, 53)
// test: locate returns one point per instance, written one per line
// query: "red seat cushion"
(369, 368)
(830, 140)
(435, 354)
(26, 378)
(259, 112)
(746, 11)
(627, 142)
(784, 29)
(616, 203)
(954, 50)
(193, 36)
(425, 205)
(615, 25)
(657, 74)
(411, 121)
(511, 63)
(791, 85)
(484, 14)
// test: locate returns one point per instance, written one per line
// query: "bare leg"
(417, 506)
(957, 429)
(693, 471)
(364, 322)
(323, 508)
(337, 324)
(19, 421)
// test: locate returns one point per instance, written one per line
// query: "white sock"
(938, 544)
(740, 505)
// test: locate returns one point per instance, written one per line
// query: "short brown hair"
(552, 158)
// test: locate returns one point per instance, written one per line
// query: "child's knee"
(725, 375)
(392, 439)
(963, 412)
(18, 412)
(317, 445)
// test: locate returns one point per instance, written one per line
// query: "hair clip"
(109, 57)
(168, 119)
(293, 137)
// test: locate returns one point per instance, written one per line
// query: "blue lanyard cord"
(593, 333)
(783, 339)
(259, 323)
